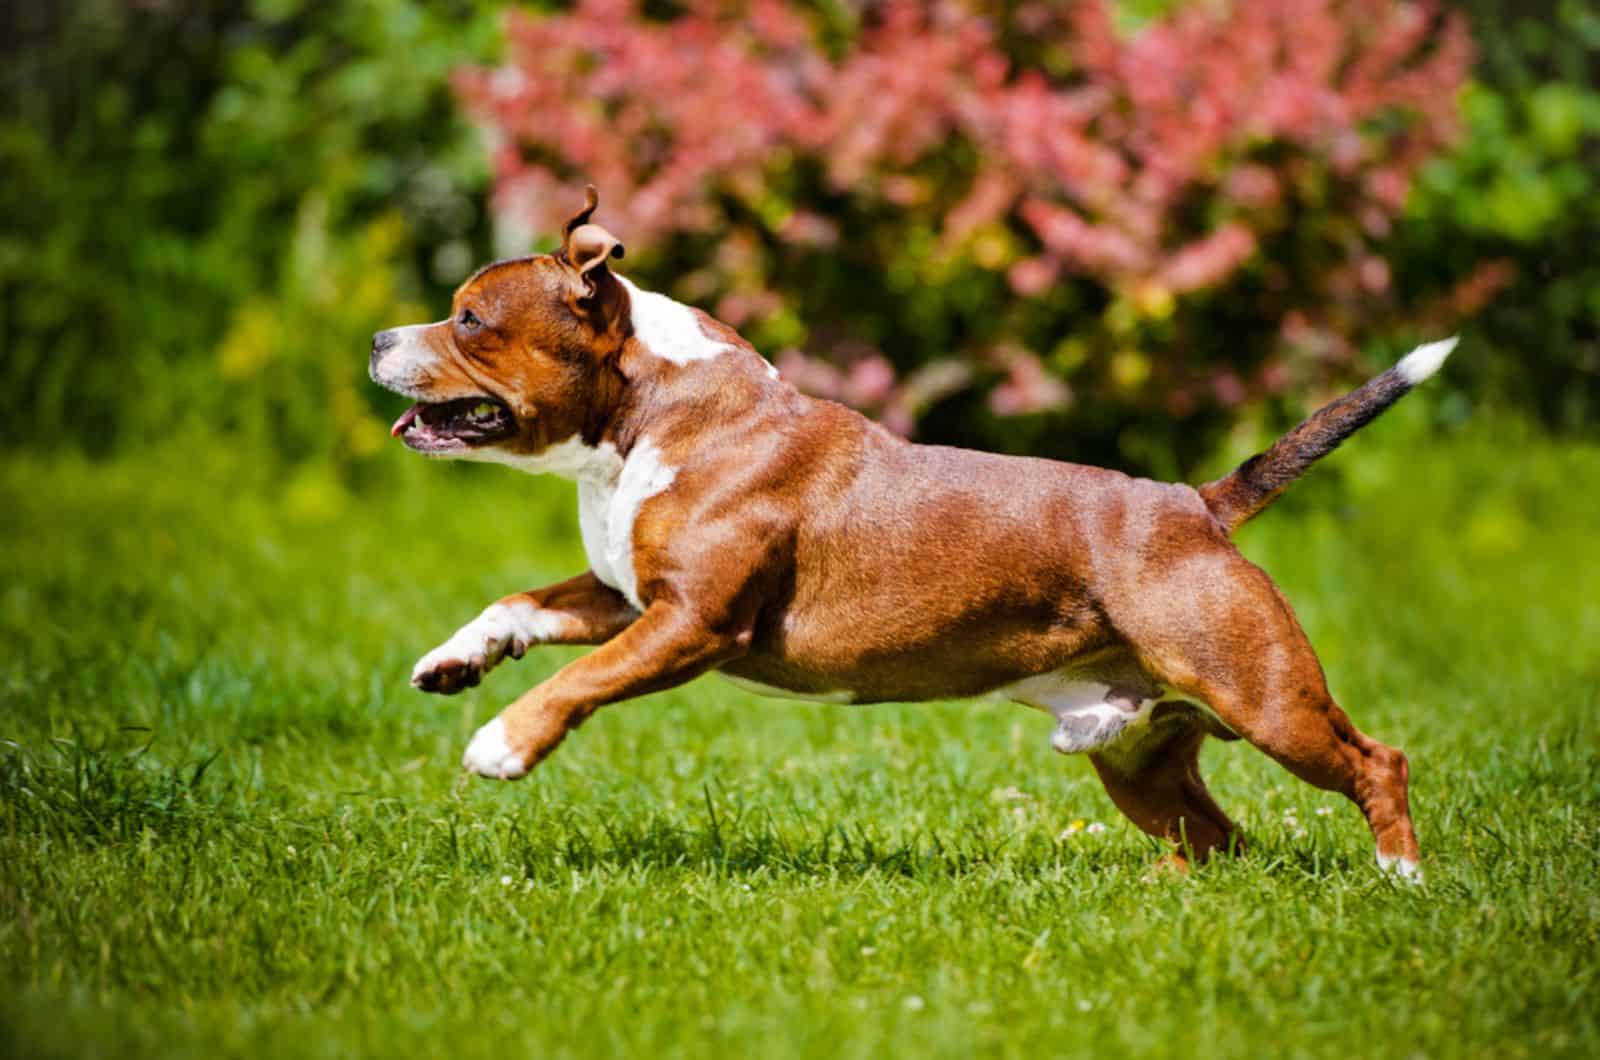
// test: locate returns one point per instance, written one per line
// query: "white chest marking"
(611, 491)
(670, 329)
(607, 511)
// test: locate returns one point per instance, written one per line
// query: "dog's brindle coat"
(734, 524)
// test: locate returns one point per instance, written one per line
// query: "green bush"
(273, 180)
(1504, 229)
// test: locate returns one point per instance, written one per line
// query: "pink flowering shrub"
(1028, 230)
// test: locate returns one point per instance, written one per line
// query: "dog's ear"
(587, 247)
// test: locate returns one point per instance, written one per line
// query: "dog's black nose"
(380, 342)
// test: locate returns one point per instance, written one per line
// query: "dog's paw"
(439, 671)
(1400, 868)
(475, 649)
(490, 755)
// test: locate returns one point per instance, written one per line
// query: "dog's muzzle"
(382, 342)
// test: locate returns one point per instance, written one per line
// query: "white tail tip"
(1423, 361)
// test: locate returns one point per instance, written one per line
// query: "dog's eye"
(469, 320)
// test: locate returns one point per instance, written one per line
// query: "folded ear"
(586, 246)
(589, 246)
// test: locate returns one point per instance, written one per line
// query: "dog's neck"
(672, 364)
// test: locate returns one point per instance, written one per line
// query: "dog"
(733, 524)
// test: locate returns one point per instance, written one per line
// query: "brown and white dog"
(734, 524)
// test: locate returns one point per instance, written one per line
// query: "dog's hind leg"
(1311, 736)
(1237, 647)
(1156, 783)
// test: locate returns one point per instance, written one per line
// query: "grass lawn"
(229, 827)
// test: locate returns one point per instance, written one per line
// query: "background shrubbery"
(209, 207)
(1040, 231)
(1112, 231)
(1514, 211)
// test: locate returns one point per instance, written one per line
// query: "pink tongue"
(404, 421)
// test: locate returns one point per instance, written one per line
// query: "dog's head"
(525, 357)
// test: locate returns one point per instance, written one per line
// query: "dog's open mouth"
(451, 426)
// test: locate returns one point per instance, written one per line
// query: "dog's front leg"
(665, 647)
(580, 610)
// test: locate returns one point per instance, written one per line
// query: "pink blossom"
(1206, 261)
(1028, 387)
(1170, 158)
(1374, 273)
(1033, 276)
(1228, 388)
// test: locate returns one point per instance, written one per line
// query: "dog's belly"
(1102, 702)
(944, 673)
(908, 677)
(900, 649)
(774, 691)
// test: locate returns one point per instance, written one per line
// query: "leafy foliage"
(1109, 230)
(1505, 228)
(268, 178)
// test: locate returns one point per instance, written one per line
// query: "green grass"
(229, 827)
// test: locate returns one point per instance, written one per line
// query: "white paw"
(1401, 868)
(489, 755)
(476, 648)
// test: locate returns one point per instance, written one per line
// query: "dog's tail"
(1256, 483)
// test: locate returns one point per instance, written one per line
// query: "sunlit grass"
(228, 826)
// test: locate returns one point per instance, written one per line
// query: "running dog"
(734, 524)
